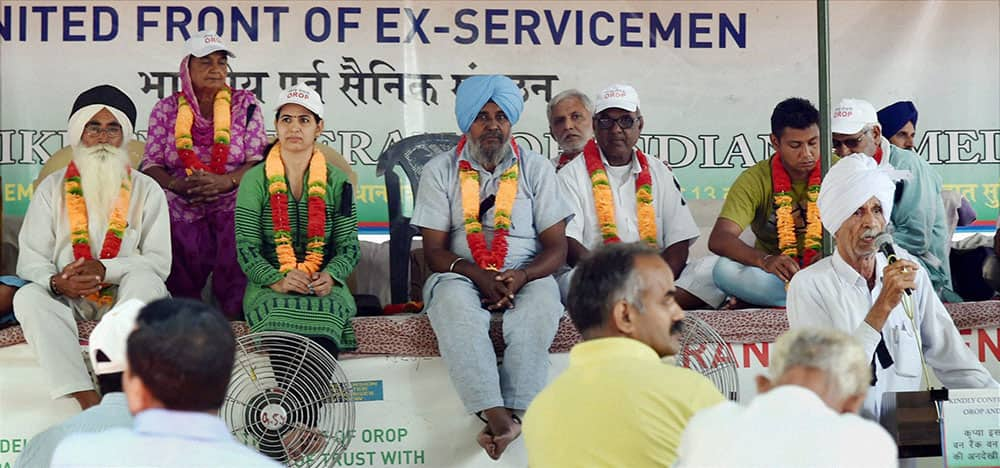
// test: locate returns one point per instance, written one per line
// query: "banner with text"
(708, 74)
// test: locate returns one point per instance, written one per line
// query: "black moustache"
(677, 327)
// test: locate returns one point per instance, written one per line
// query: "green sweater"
(255, 230)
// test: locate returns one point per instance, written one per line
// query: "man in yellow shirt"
(617, 404)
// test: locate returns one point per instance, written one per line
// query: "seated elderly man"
(919, 220)
(493, 224)
(569, 114)
(890, 308)
(777, 199)
(96, 233)
(618, 405)
(618, 194)
(803, 415)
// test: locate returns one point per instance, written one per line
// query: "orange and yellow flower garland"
(812, 243)
(221, 120)
(76, 207)
(494, 257)
(604, 197)
(277, 186)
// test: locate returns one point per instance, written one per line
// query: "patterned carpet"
(411, 334)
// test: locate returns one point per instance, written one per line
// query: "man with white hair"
(858, 290)
(919, 221)
(569, 114)
(96, 233)
(804, 413)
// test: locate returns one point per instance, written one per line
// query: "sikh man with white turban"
(493, 222)
(96, 233)
(858, 291)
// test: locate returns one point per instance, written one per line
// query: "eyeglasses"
(850, 143)
(625, 122)
(94, 131)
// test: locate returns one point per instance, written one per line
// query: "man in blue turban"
(899, 122)
(494, 230)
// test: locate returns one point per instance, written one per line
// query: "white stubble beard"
(101, 167)
(577, 148)
(484, 158)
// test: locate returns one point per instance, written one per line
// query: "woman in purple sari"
(201, 141)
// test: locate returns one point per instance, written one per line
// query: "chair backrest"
(410, 154)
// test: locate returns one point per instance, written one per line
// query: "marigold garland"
(494, 257)
(604, 197)
(221, 121)
(76, 207)
(812, 242)
(277, 186)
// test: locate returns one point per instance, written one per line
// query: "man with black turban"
(96, 233)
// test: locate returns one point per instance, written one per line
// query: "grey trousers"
(49, 326)
(462, 327)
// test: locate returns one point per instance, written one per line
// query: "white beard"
(101, 170)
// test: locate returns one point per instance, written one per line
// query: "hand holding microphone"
(900, 276)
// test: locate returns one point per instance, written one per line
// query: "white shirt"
(789, 426)
(45, 243)
(674, 222)
(112, 412)
(161, 438)
(830, 293)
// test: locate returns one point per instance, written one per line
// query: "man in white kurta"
(48, 307)
(675, 227)
(858, 291)
(805, 413)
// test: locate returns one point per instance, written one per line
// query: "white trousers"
(49, 326)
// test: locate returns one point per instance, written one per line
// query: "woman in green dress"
(297, 232)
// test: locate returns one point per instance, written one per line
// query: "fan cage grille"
(704, 351)
(289, 399)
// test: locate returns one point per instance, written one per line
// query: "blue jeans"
(749, 283)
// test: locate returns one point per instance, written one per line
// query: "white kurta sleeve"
(153, 251)
(37, 239)
(944, 349)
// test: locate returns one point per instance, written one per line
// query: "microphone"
(883, 242)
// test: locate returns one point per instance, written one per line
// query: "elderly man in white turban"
(96, 233)
(493, 223)
(858, 291)
(920, 222)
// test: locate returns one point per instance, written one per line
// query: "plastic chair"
(410, 154)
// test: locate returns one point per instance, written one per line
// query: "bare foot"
(502, 439)
(485, 440)
(734, 303)
(86, 398)
(500, 431)
(689, 301)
